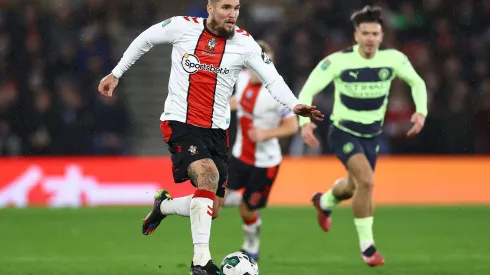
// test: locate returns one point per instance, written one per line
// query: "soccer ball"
(239, 263)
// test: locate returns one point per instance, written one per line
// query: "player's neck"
(366, 55)
(210, 27)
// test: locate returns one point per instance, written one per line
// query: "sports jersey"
(256, 107)
(362, 87)
(204, 69)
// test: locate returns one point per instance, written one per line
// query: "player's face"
(369, 37)
(223, 15)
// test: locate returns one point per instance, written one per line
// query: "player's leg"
(238, 173)
(342, 188)
(203, 211)
(363, 207)
(177, 137)
(255, 198)
(232, 198)
(251, 228)
(210, 176)
(221, 161)
(205, 175)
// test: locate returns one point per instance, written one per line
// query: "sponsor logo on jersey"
(191, 64)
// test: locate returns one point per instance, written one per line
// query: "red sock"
(251, 221)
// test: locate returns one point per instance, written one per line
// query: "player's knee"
(205, 174)
(246, 211)
(366, 182)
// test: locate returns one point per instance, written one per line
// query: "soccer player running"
(362, 76)
(256, 151)
(207, 56)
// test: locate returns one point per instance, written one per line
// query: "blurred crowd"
(52, 57)
(54, 52)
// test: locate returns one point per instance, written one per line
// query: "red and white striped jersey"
(204, 69)
(256, 107)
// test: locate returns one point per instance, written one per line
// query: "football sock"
(252, 229)
(177, 206)
(364, 228)
(201, 214)
(328, 201)
(233, 198)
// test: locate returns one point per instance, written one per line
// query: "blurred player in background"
(362, 75)
(207, 56)
(256, 152)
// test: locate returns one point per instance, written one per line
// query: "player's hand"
(308, 111)
(418, 121)
(309, 136)
(108, 84)
(256, 134)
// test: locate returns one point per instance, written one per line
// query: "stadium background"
(63, 145)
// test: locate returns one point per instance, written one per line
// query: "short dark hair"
(368, 14)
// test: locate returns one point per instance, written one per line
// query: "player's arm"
(318, 79)
(233, 103)
(287, 127)
(263, 67)
(165, 32)
(407, 73)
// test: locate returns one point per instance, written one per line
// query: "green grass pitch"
(414, 240)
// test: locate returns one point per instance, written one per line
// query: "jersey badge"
(166, 22)
(212, 43)
(193, 150)
(325, 65)
(265, 58)
(384, 74)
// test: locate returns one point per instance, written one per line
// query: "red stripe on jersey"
(187, 18)
(195, 19)
(242, 32)
(202, 84)
(247, 102)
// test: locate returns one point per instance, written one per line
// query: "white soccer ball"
(239, 263)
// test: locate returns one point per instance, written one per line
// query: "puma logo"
(354, 74)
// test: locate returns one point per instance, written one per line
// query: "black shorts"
(256, 181)
(345, 145)
(188, 143)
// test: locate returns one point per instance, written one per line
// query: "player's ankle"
(202, 255)
(368, 249)
(328, 201)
